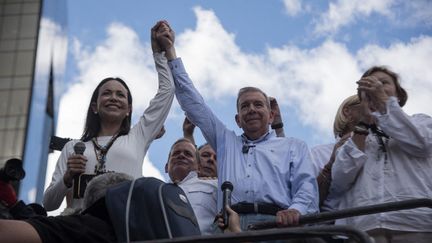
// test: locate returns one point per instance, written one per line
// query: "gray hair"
(97, 187)
(252, 89)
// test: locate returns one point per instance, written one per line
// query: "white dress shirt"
(202, 196)
(403, 172)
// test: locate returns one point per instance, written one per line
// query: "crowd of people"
(380, 154)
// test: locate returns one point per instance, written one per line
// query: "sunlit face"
(387, 81)
(112, 102)
(182, 160)
(208, 163)
(254, 115)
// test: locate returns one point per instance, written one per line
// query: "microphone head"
(79, 148)
(227, 185)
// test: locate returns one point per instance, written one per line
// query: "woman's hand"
(76, 164)
(372, 90)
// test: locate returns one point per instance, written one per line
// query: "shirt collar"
(191, 175)
(264, 137)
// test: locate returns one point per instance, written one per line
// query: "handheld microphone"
(79, 148)
(227, 187)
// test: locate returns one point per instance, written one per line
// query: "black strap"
(261, 208)
(101, 152)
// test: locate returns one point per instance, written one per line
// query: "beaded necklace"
(101, 152)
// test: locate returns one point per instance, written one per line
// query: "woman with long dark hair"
(111, 144)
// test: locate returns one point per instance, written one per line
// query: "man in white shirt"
(182, 168)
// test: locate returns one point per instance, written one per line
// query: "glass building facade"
(33, 48)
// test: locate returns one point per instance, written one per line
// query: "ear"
(93, 106)
(166, 167)
(237, 119)
(346, 111)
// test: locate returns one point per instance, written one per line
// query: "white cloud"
(411, 13)
(292, 7)
(344, 12)
(314, 81)
(52, 48)
(401, 13)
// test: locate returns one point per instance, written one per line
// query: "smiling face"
(254, 114)
(112, 102)
(207, 162)
(181, 161)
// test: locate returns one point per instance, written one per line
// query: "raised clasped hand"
(371, 89)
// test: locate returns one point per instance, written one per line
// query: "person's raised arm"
(151, 123)
(277, 123)
(189, 98)
(165, 37)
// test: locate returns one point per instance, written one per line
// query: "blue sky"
(308, 54)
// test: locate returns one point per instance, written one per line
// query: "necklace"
(101, 152)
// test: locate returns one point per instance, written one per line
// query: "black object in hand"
(227, 187)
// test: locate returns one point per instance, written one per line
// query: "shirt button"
(248, 176)
(246, 191)
(250, 165)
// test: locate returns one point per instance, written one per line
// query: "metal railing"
(261, 231)
(276, 234)
(351, 212)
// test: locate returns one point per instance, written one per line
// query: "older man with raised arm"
(272, 176)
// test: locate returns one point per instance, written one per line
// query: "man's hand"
(233, 224)
(165, 36)
(288, 217)
(188, 130)
(163, 39)
(76, 164)
(154, 43)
